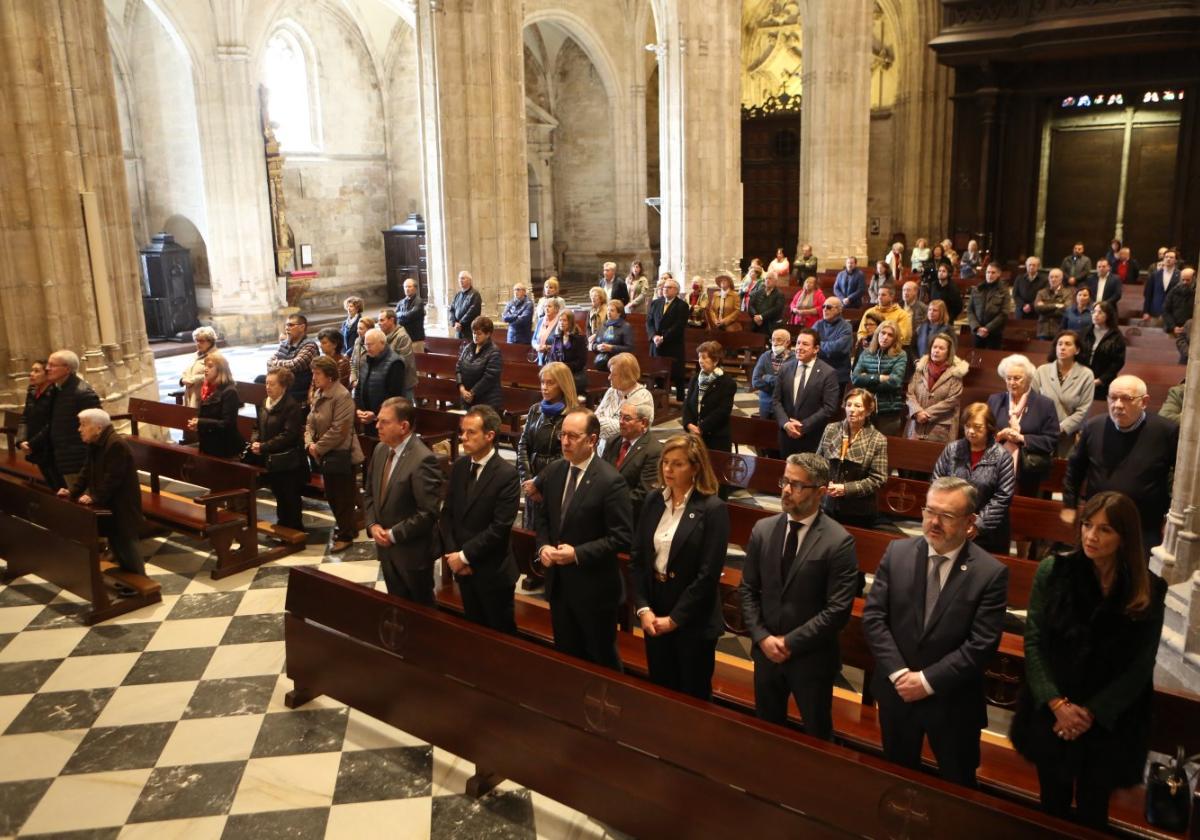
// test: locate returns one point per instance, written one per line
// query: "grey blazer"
(1072, 397)
(409, 505)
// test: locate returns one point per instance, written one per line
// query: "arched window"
(290, 79)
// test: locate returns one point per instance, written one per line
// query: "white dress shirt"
(944, 574)
(482, 462)
(664, 532)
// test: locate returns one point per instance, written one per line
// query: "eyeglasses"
(829, 306)
(1124, 398)
(941, 516)
(796, 486)
(572, 436)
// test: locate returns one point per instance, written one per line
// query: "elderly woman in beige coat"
(935, 392)
(332, 444)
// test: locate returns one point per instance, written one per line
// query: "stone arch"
(191, 237)
(587, 38)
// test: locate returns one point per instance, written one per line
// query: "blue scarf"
(552, 409)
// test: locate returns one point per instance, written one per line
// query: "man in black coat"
(582, 524)
(1131, 451)
(666, 324)
(466, 306)
(614, 287)
(933, 621)
(798, 586)
(109, 480)
(1025, 288)
(60, 437)
(410, 313)
(805, 397)
(476, 523)
(635, 453)
(382, 376)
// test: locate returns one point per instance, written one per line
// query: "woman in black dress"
(479, 366)
(709, 402)
(278, 445)
(215, 423)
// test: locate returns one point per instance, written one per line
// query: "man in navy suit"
(476, 523)
(933, 621)
(805, 397)
(1157, 285)
(582, 524)
(666, 324)
(798, 587)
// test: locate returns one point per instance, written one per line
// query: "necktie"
(801, 381)
(475, 469)
(621, 455)
(933, 586)
(387, 473)
(790, 546)
(572, 480)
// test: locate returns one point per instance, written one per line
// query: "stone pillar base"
(247, 328)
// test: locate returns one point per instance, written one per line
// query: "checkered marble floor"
(169, 722)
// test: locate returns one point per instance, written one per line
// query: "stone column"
(69, 275)
(246, 294)
(699, 66)
(472, 109)
(924, 121)
(835, 128)
(632, 236)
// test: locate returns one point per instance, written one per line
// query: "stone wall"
(881, 182)
(337, 198)
(583, 166)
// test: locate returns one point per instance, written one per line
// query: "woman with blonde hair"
(549, 293)
(624, 377)
(677, 556)
(935, 392)
(539, 444)
(806, 304)
(596, 315)
(880, 369)
(698, 304)
(332, 444)
(215, 422)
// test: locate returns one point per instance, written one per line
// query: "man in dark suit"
(109, 480)
(635, 453)
(476, 523)
(665, 324)
(806, 396)
(410, 313)
(1105, 285)
(1158, 284)
(933, 621)
(403, 493)
(582, 525)
(59, 438)
(466, 306)
(798, 586)
(614, 287)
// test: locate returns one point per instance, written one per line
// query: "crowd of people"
(592, 484)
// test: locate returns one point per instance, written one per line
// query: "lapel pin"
(963, 567)
(691, 516)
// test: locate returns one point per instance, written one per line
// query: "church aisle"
(169, 722)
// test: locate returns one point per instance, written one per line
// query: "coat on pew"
(216, 423)
(1080, 644)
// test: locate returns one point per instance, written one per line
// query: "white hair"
(68, 358)
(609, 265)
(97, 417)
(644, 411)
(1021, 361)
(205, 333)
(374, 332)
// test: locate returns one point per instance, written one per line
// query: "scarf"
(848, 439)
(1015, 412)
(703, 380)
(552, 409)
(207, 389)
(933, 372)
(269, 403)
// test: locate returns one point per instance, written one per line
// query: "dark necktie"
(572, 480)
(387, 474)
(933, 586)
(621, 455)
(476, 467)
(790, 546)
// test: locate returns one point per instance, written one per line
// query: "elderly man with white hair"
(109, 480)
(1131, 451)
(60, 437)
(1027, 423)
(466, 306)
(614, 287)
(382, 376)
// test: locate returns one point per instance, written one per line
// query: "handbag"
(336, 462)
(1168, 795)
(1034, 462)
(285, 461)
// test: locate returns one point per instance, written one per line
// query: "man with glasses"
(933, 621)
(635, 452)
(798, 586)
(1131, 451)
(582, 525)
(837, 340)
(296, 353)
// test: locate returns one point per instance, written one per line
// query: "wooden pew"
(226, 516)
(59, 540)
(614, 747)
(522, 374)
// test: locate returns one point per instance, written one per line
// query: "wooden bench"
(59, 540)
(640, 759)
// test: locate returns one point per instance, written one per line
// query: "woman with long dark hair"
(1091, 638)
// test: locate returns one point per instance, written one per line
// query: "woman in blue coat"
(1027, 423)
(880, 369)
(518, 314)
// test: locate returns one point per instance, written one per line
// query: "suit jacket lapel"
(687, 524)
(633, 450)
(396, 467)
(771, 563)
(920, 578)
(958, 573)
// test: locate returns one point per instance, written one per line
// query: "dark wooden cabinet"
(168, 290)
(404, 255)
